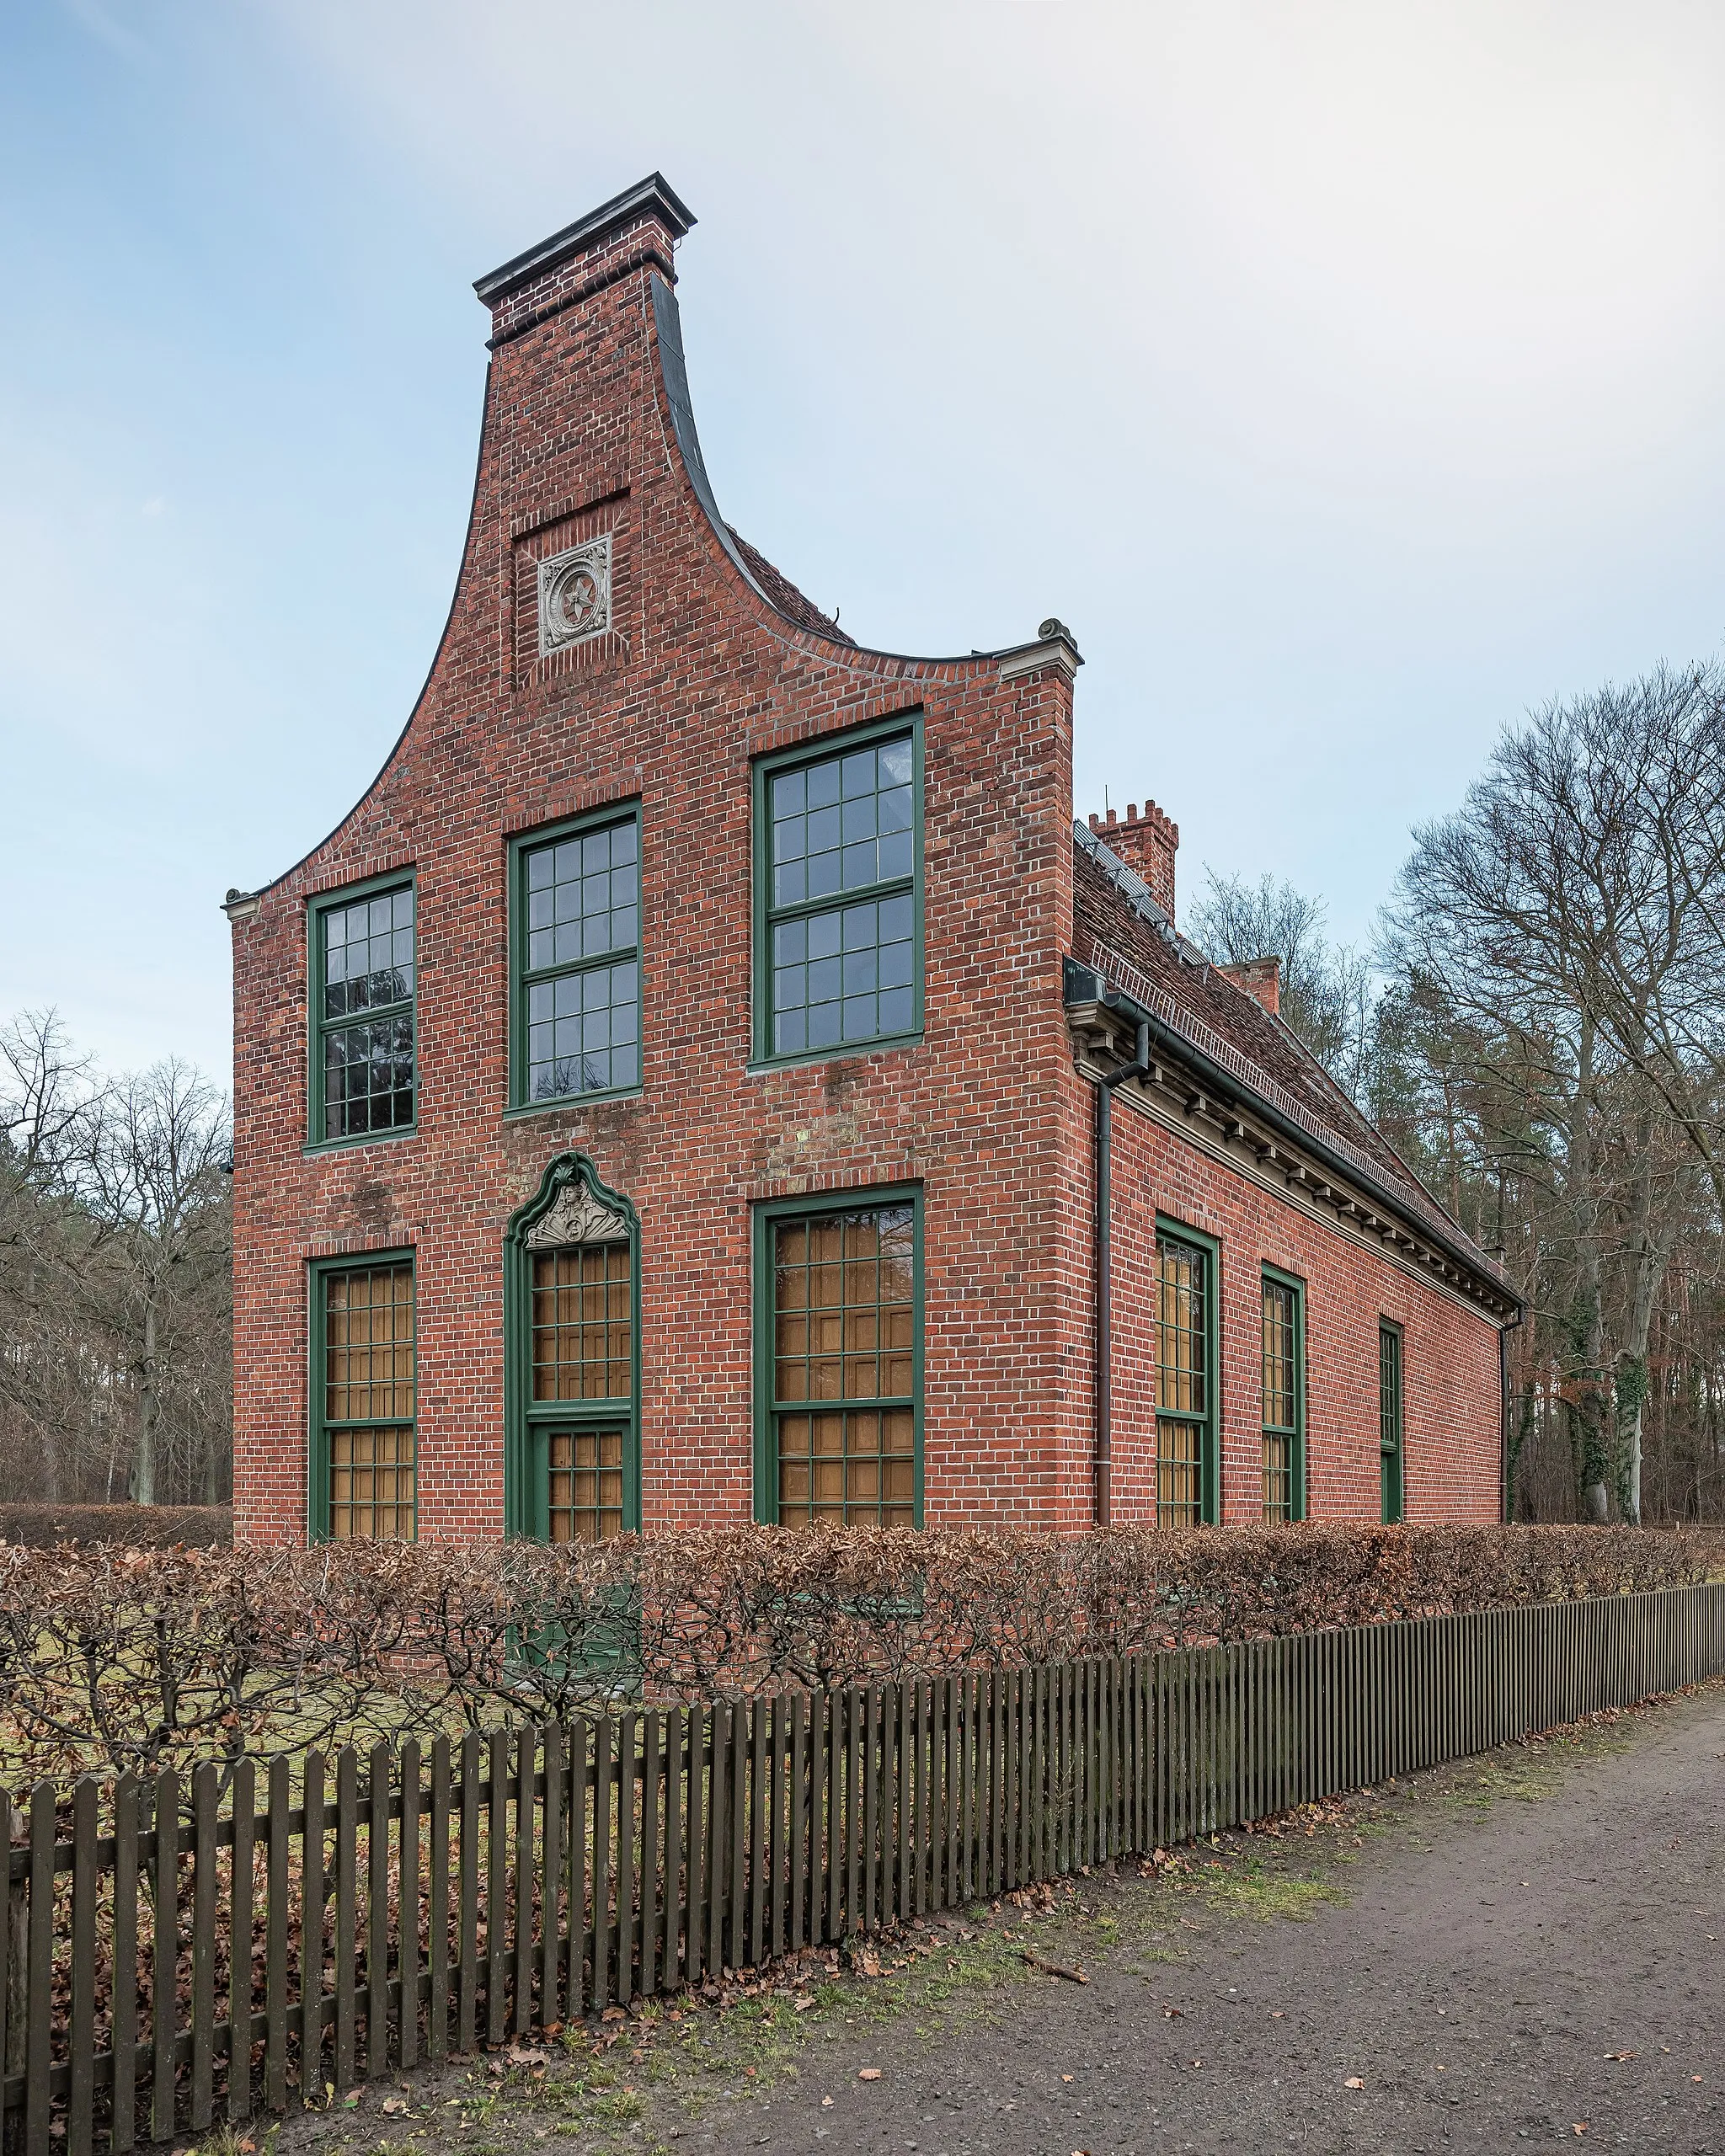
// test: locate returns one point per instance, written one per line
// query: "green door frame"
(526, 1420)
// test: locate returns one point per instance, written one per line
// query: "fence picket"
(82, 2048)
(437, 1927)
(778, 1753)
(123, 2129)
(553, 1878)
(626, 1778)
(583, 1933)
(241, 1888)
(674, 1894)
(497, 1890)
(759, 1713)
(468, 1921)
(526, 1760)
(165, 1965)
(652, 1896)
(600, 1993)
(410, 1904)
(694, 1959)
(311, 1900)
(853, 1811)
(347, 1778)
(736, 1934)
(377, 1877)
(799, 1822)
(720, 1795)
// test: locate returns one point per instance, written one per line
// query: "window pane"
(1179, 1495)
(582, 1032)
(368, 954)
(1279, 1379)
(847, 1465)
(368, 1076)
(583, 896)
(584, 1476)
(1182, 1381)
(583, 1324)
(843, 1331)
(1277, 1477)
(372, 1484)
(844, 976)
(1390, 1389)
(583, 903)
(368, 1344)
(842, 824)
(368, 959)
(368, 1379)
(1182, 1378)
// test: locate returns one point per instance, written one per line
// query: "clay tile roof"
(1115, 911)
(784, 594)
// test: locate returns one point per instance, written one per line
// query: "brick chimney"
(1146, 843)
(1262, 980)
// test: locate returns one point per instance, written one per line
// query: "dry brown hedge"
(137, 1658)
(140, 1527)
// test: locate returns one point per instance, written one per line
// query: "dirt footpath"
(1501, 1971)
(1525, 1948)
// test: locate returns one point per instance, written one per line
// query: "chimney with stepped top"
(1147, 844)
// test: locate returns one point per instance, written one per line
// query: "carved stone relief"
(575, 595)
(575, 1215)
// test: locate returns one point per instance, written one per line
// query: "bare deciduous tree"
(115, 1292)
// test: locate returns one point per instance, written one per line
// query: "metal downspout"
(1506, 1499)
(1138, 1068)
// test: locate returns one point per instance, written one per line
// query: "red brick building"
(681, 1089)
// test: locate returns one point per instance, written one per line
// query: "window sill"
(566, 1103)
(888, 1043)
(353, 1145)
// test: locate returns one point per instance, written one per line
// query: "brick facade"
(711, 661)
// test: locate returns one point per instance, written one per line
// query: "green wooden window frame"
(1284, 1432)
(1186, 1435)
(571, 982)
(768, 1409)
(330, 1433)
(834, 915)
(530, 1423)
(1392, 1464)
(323, 1026)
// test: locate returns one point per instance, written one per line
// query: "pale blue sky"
(1346, 375)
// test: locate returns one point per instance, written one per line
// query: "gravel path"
(1501, 1973)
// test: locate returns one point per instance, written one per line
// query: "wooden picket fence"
(432, 1897)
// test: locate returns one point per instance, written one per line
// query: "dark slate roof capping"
(654, 193)
(1137, 894)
